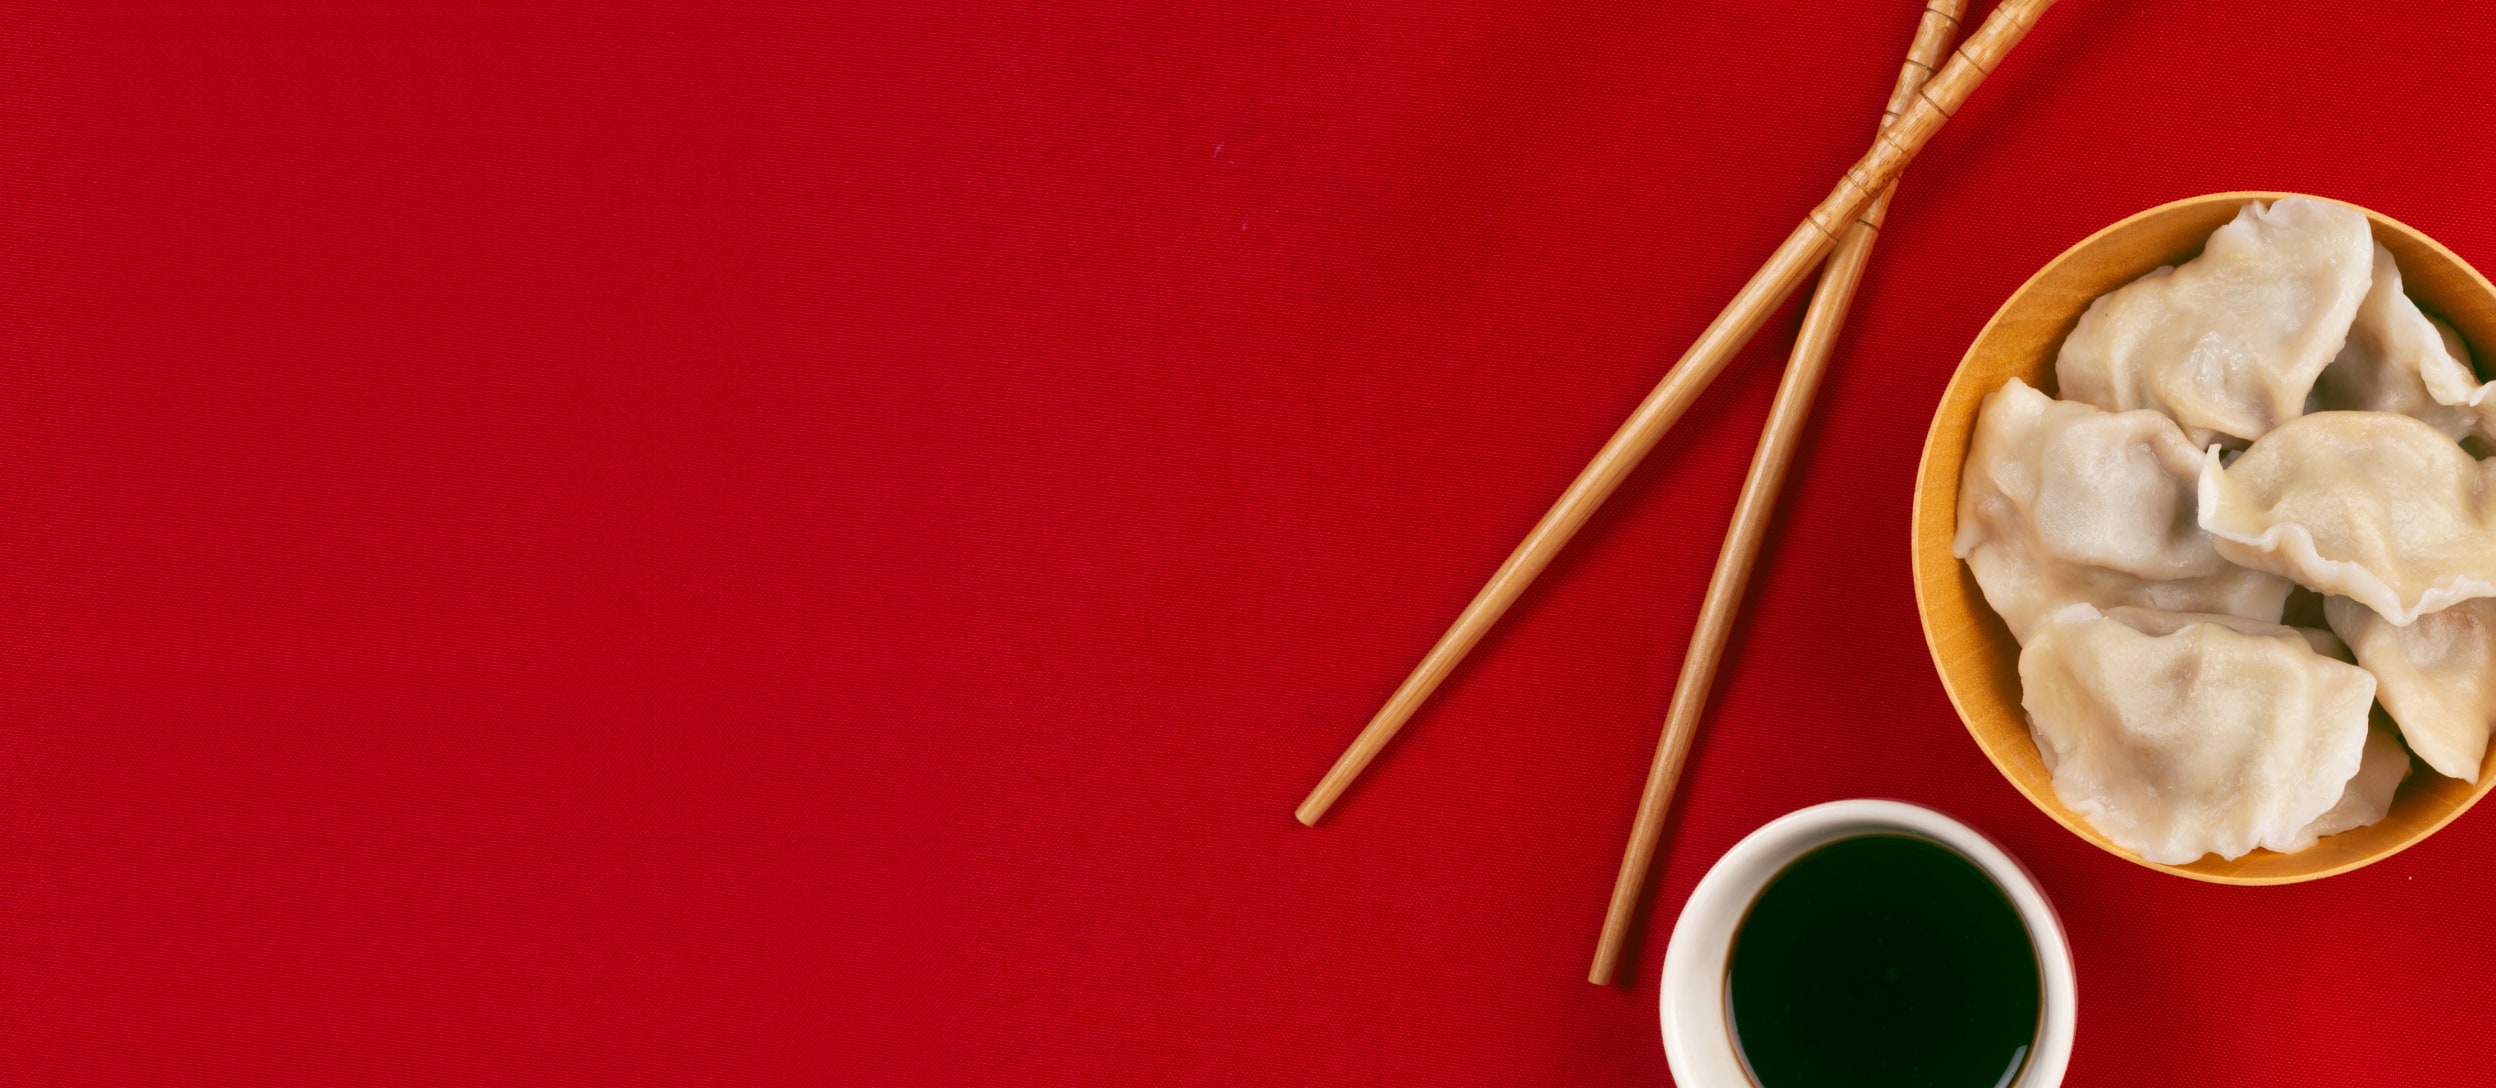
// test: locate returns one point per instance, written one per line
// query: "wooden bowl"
(1978, 659)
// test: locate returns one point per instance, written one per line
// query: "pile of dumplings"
(2270, 415)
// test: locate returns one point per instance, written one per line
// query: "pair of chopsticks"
(1840, 230)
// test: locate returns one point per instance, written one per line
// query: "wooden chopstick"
(1777, 441)
(1794, 259)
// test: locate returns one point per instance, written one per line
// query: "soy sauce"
(1883, 961)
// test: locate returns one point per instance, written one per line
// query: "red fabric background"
(593, 545)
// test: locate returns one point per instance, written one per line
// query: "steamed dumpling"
(2229, 343)
(2384, 762)
(2381, 768)
(2436, 677)
(2109, 489)
(2400, 360)
(2373, 506)
(2065, 503)
(2203, 741)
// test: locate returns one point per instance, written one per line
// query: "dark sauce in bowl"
(1878, 961)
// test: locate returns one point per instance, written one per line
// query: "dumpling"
(2203, 741)
(2400, 360)
(2228, 343)
(2373, 506)
(2381, 768)
(2436, 677)
(2383, 764)
(2065, 503)
(2109, 489)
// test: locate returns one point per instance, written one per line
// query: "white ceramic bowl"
(1698, 1035)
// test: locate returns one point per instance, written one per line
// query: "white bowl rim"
(1697, 1042)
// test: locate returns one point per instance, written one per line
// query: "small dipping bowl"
(1975, 653)
(1697, 1015)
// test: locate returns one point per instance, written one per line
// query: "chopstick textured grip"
(1934, 103)
(1932, 40)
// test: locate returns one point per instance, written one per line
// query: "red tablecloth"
(664, 545)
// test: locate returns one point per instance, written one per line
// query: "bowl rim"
(1924, 495)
